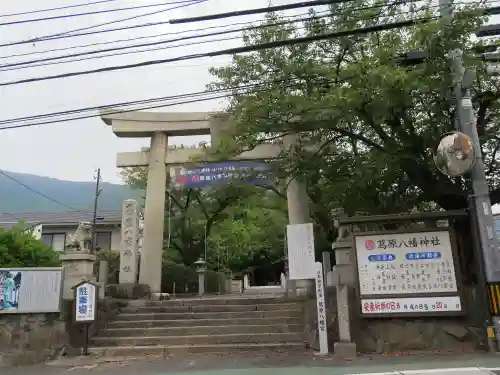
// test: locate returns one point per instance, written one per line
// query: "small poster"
(10, 284)
(85, 303)
(30, 290)
(301, 259)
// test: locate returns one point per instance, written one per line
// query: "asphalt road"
(296, 363)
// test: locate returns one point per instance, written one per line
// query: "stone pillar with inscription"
(129, 242)
(344, 279)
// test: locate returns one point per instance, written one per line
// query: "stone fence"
(34, 338)
(398, 334)
(29, 338)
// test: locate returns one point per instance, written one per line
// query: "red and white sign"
(409, 305)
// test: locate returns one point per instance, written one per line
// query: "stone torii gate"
(160, 126)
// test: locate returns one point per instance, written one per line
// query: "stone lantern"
(201, 270)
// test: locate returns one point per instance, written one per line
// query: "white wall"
(70, 231)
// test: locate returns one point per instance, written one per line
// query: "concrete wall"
(70, 231)
(33, 338)
(399, 334)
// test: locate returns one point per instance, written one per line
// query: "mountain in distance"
(15, 198)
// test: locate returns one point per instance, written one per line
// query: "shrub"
(18, 248)
(184, 276)
(113, 259)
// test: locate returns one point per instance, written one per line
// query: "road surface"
(272, 364)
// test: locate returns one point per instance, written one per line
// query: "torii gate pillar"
(154, 214)
(298, 213)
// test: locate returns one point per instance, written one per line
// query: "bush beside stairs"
(211, 325)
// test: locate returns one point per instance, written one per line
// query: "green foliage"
(250, 238)
(113, 259)
(374, 119)
(195, 216)
(186, 277)
(18, 248)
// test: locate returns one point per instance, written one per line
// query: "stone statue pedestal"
(78, 266)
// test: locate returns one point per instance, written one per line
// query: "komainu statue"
(82, 238)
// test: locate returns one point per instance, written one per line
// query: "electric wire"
(2, 69)
(233, 51)
(112, 108)
(223, 32)
(198, 36)
(58, 8)
(194, 2)
(65, 33)
(277, 8)
(33, 63)
(148, 36)
(32, 20)
(36, 191)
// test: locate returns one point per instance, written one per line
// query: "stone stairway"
(210, 325)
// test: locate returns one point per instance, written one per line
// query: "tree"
(192, 214)
(18, 248)
(381, 117)
(251, 237)
(375, 119)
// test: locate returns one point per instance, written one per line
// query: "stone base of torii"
(160, 126)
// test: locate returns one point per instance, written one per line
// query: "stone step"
(239, 338)
(164, 351)
(210, 315)
(200, 330)
(203, 322)
(247, 300)
(209, 308)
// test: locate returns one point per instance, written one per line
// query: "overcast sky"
(73, 150)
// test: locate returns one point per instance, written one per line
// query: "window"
(103, 240)
(55, 240)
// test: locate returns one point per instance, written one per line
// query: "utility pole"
(94, 217)
(485, 242)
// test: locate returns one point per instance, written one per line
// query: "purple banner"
(214, 174)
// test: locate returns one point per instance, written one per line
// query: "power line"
(260, 87)
(63, 35)
(28, 64)
(31, 20)
(198, 36)
(125, 28)
(252, 27)
(58, 8)
(143, 37)
(145, 101)
(277, 8)
(56, 36)
(232, 51)
(119, 54)
(37, 192)
(194, 2)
